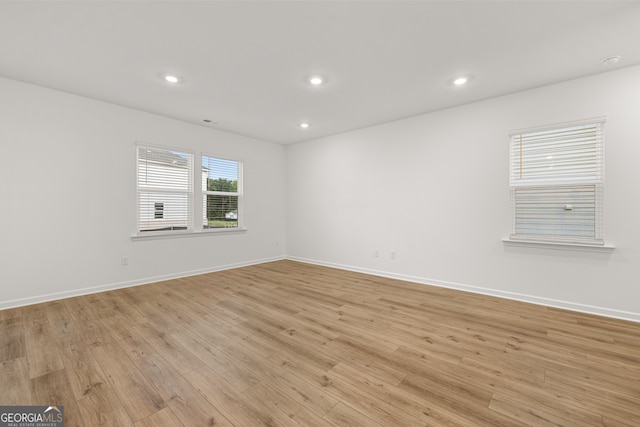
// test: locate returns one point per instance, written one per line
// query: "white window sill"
(151, 235)
(559, 245)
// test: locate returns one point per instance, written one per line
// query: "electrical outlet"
(376, 254)
(393, 254)
(124, 260)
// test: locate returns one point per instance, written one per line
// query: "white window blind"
(221, 192)
(165, 189)
(556, 182)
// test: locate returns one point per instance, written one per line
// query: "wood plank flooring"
(292, 344)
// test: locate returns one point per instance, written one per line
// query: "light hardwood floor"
(291, 344)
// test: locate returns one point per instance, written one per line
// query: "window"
(556, 183)
(221, 192)
(165, 189)
(169, 192)
(159, 210)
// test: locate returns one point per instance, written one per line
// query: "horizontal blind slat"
(556, 178)
(165, 185)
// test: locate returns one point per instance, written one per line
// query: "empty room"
(320, 213)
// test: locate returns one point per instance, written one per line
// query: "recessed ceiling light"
(316, 79)
(611, 60)
(459, 81)
(171, 78)
(304, 125)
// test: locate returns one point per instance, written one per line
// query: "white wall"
(434, 189)
(67, 197)
(409, 186)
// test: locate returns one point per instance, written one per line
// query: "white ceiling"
(244, 63)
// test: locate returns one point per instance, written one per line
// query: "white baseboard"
(111, 286)
(548, 302)
(567, 305)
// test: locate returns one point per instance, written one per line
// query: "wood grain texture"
(104, 409)
(54, 389)
(292, 344)
(163, 418)
(13, 340)
(16, 385)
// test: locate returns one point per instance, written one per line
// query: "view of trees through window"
(222, 192)
(222, 209)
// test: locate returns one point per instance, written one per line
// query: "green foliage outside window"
(222, 209)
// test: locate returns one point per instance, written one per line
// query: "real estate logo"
(31, 416)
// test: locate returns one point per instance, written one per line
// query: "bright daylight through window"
(221, 192)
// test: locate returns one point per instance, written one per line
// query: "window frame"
(557, 185)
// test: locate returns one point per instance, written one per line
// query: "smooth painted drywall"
(434, 190)
(69, 202)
